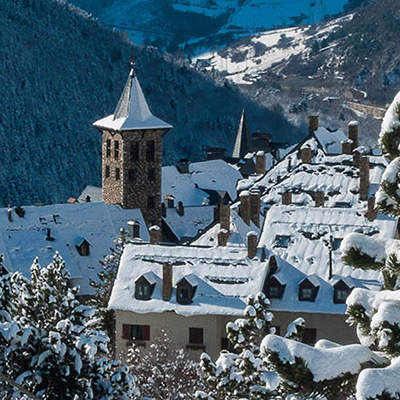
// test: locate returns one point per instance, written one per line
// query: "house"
(190, 291)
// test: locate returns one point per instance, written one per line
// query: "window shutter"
(146, 332)
(126, 331)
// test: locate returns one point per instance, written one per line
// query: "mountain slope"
(61, 70)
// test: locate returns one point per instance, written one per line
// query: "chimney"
(49, 238)
(167, 281)
(356, 158)
(286, 198)
(353, 133)
(319, 198)
(88, 199)
(163, 210)
(313, 123)
(224, 215)
(9, 214)
(223, 236)
(255, 206)
(180, 209)
(260, 162)
(347, 146)
(155, 234)
(133, 229)
(273, 265)
(371, 211)
(244, 206)
(251, 244)
(169, 200)
(306, 155)
(183, 166)
(364, 177)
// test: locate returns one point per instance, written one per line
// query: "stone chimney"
(255, 206)
(347, 146)
(167, 281)
(286, 198)
(353, 133)
(313, 123)
(180, 209)
(133, 229)
(155, 234)
(371, 211)
(319, 198)
(260, 162)
(223, 236)
(273, 265)
(169, 200)
(306, 155)
(244, 206)
(251, 244)
(224, 215)
(364, 177)
(183, 166)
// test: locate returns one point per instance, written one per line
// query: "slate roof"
(25, 238)
(132, 112)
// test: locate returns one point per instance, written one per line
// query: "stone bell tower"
(132, 153)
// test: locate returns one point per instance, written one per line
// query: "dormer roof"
(132, 112)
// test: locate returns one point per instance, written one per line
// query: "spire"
(242, 142)
(132, 112)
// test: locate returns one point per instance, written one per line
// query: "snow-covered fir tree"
(48, 344)
(163, 371)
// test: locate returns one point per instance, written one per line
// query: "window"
(116, 149)
(136, 332)
(340, 292)
(83, 248)
(282, 241)
(309, 336)
(143, 289)
(108, 148)
(273, 292)
(117, 174)
(150, 150)
(151, 174)
(150, 202)
(107, 171)
(307, 294)
(135, 154)
(183, 295)
(196, 336)
(341, 296)
(131, 175)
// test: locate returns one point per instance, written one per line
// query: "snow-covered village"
(200, 199)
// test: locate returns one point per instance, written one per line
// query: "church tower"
(132, 153)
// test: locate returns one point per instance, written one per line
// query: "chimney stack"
(306, 155)
(353, 133)
(313, 123)
(9, 214)
(163, 210)
(167, 281)
(255, 206)
(319, 199)
(155, 234)
(183, 166)
(364, 177)
(244, 206)
(224, 215)
(371, 211)
(251, 244)
(133, 229)
(286, 198)
(260, 162)
(223, 236)
(347, 146)
(180, 209)
(356, 158)
(169, 200)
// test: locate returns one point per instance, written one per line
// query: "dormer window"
(308, 288)
(274, 288)
(83, 247)
(341, 290)
(144, 287)
(282, 241)
(185, 289)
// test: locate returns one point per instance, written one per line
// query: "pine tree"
(48, 343)
(164, 372)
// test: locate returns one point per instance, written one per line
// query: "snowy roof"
(192, 188)
(22, 239)
(330, 141)
(189, 224)
(132, 112)
(93, 192)
(224, 277)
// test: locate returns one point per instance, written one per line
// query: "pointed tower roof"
(242, 142)
(132, 112)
